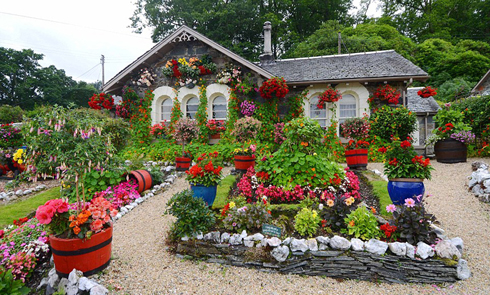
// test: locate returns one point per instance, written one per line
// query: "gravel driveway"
(141, 265)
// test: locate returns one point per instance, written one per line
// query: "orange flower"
(352, 223)
(373, 210)
(76, 230)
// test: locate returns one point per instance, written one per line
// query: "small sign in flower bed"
(299, 212)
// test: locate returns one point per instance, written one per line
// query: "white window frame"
(187, 113)
(162, 119)
(213, 104)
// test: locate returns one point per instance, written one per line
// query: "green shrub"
(249, 217)
(388, 122)
(307, 222)
(10, 114)
(10, 286)
(157, 175)
(362, 223)
(475, 110)
(118, 130)
(193, 215)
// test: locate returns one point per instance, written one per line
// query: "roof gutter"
(381, 79)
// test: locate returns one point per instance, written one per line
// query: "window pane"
(166, 109)
(219, 106)
(348, 106)
(317, 114)
(191, 107)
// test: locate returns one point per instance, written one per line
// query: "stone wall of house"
(357, 265)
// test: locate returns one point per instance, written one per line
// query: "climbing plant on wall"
(202, 114)
(176, 113)
(140, 119)
(233, 110)
(295, 104)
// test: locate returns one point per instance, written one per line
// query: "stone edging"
(334, 257)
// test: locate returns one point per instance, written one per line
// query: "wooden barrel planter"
(357, 159)
(87, 255)
(242, 163)
(214, 138)
(142, 178)
(450, 151)
(182, 163)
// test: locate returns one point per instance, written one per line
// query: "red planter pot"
(182, 163)
(215, 136)
(357, 159)
(142, 178)
(88, 255)
(242, 163)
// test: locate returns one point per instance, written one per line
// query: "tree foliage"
(237, 24)
(24, 83)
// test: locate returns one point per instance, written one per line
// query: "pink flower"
(43, 216)
(253, 148)
(391, 208)
(1, 234)
(409, 202)
(96, 226)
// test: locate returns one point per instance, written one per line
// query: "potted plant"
(185, 130)
(205, 176)
(274, 87)
(188, 71)
(405, 170)
(244, 130)
(244, 158)
(80, 234)
(450, 137)
(215, 127)
(329, 95)
(386, 94)
(427, 92)
(356, 130)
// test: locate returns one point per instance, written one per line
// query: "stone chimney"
(267, 56)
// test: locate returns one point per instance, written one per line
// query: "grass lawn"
(222, 192)
(10, 212)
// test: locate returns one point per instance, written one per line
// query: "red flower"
(405, 144)
(209, 167)
(393, 162)
(382, 150)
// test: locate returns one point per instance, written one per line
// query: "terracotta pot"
(242, 163)
(357, 159)
(182, 163)
(450, 151)
(88, 255)
(142, 178)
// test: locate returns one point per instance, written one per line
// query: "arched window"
(219, 108)
(166, 109)
(191, 107)
(347, 107)
(318, 114)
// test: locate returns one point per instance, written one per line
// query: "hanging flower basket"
(274, 87)
(427, 92)
(330, 95)
(387, 94)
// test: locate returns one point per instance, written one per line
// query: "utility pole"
(339, 43)
(102, 60)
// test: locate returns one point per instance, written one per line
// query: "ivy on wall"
(176, 113)
(233, 111)
(140, 119)
(202, 114)
(295, 104)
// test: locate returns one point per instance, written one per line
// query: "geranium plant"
(64, 221)
(206, 171)
(186, 129)
(274, 87)
(101, 100)
(159, 130)
(449, 121)
(216, 126)
(329, 95)
(354, 145)
(427, 92)
(10, 136)
(403, 162)
(385, 93)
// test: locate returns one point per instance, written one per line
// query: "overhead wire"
(87, 71)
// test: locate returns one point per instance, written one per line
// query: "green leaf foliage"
(362, 224)
(307, 222)
(10, 286)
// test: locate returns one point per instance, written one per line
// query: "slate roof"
(417, 104)
(366, 66)
(483, 86)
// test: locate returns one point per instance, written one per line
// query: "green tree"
(237, 24)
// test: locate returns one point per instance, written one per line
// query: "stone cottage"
(483, 86)
(354, 75)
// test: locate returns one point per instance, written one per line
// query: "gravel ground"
(141, 264)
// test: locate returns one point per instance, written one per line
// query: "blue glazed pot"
(207, 193)
(400, 189)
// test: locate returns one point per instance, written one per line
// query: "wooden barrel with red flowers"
(357, 159)
(87, 255)
(242, 163)
(182, 163)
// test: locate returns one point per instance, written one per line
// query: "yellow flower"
(232, 204)
(20, 161)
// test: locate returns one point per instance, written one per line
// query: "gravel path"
(141, 264)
